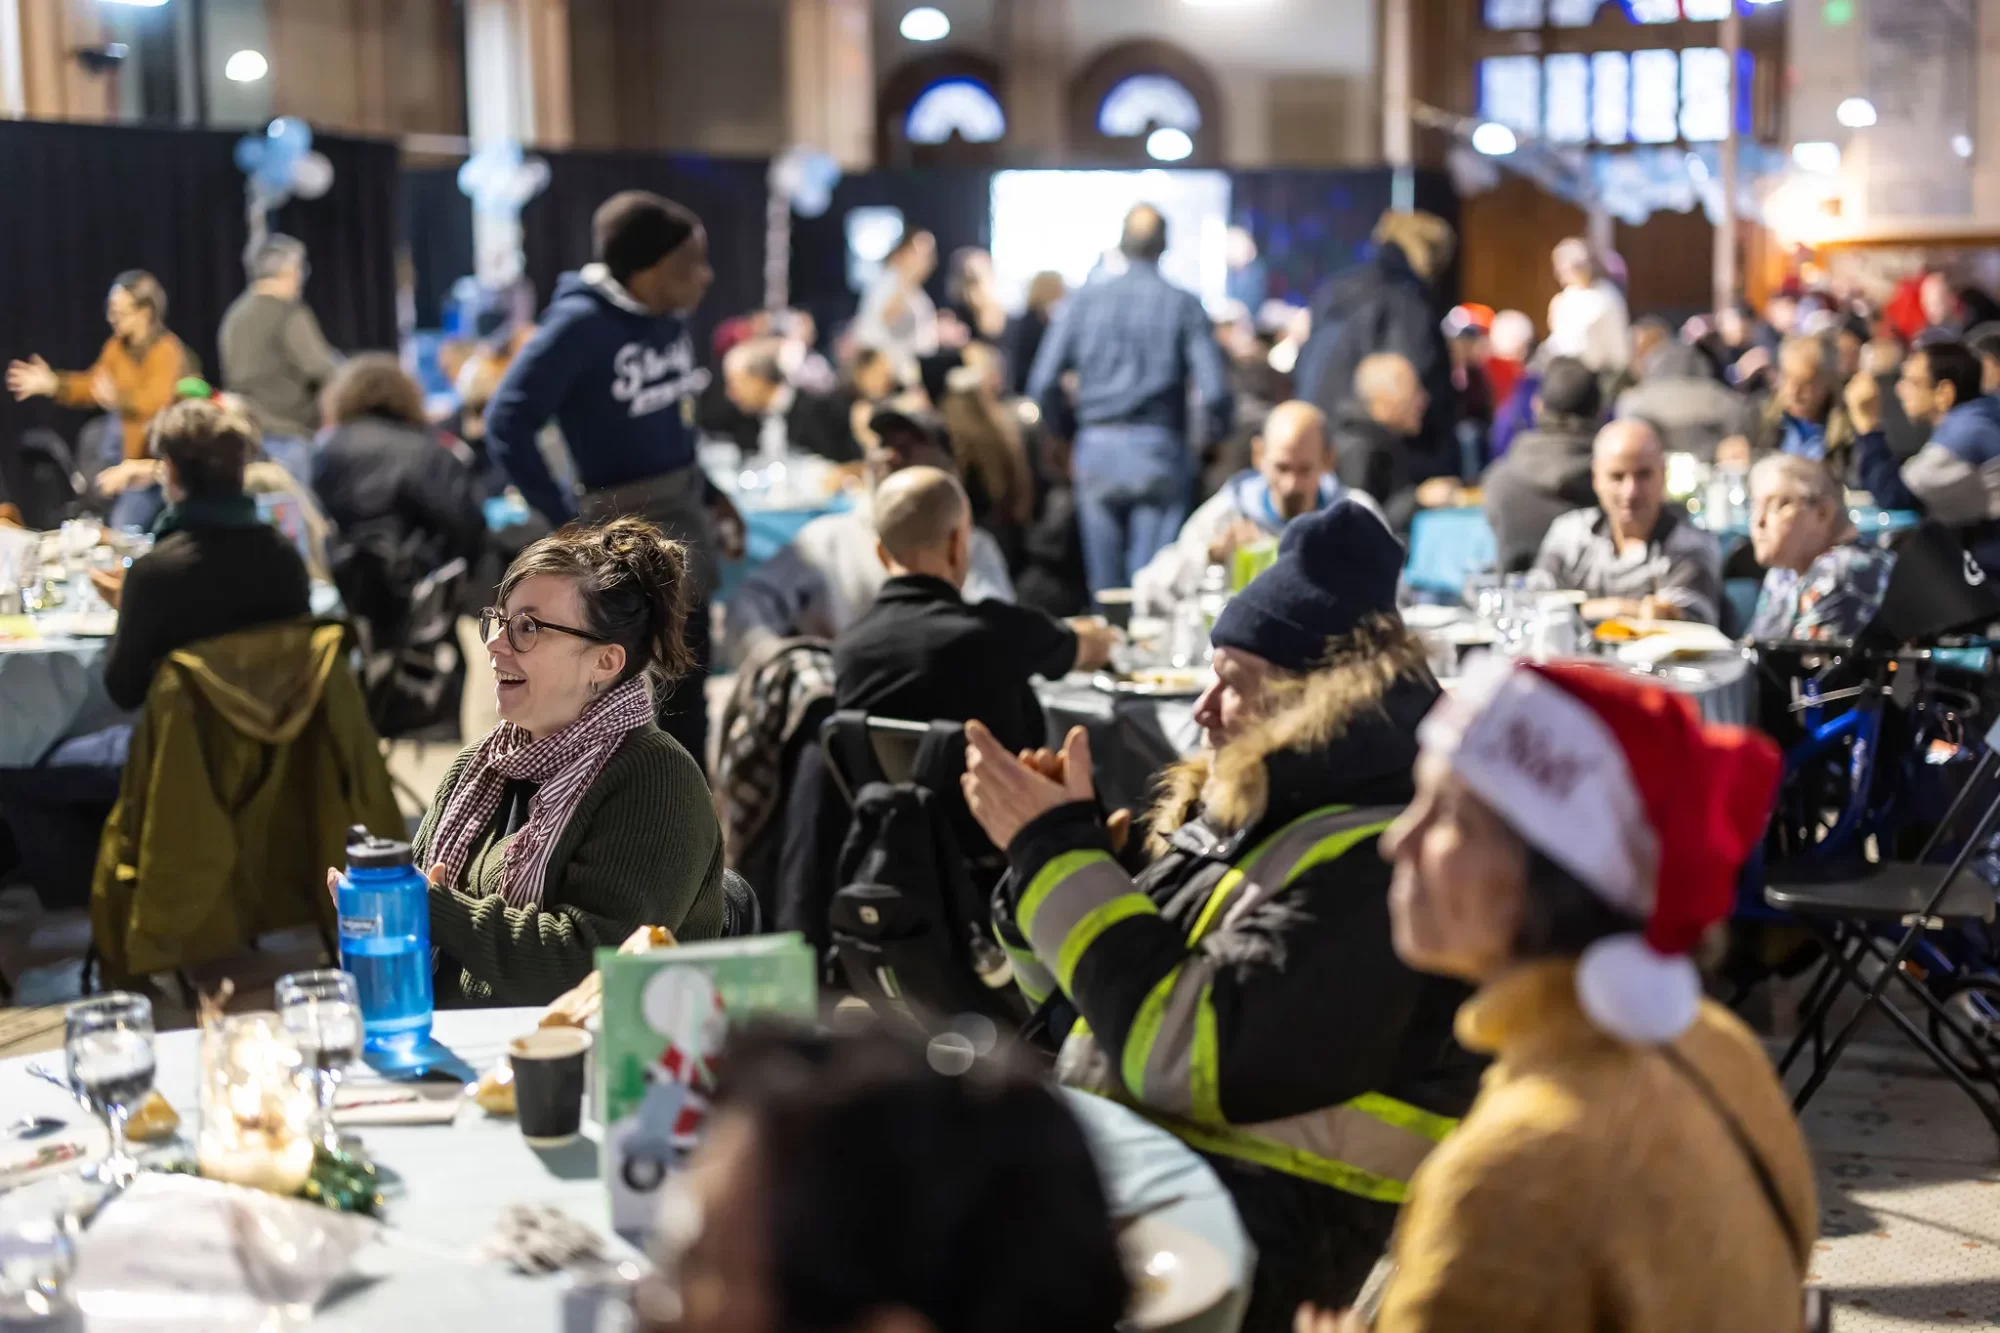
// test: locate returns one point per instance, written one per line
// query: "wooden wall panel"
(381, 67)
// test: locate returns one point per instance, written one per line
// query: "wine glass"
(322, 1011)
(108, 1046)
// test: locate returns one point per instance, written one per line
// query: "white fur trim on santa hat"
(1634, 994)
(1549, 766)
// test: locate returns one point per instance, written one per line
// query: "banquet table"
(1133, 738)
(452, 1181)
(52, 688)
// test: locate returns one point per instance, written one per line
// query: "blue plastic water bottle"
(385, 939)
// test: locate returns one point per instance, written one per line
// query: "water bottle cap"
(365, 851)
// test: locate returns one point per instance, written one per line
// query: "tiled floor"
(1909, 1177)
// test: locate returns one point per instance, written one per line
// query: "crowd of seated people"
(1345, 841)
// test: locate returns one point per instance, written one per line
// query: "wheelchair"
(1883, 739)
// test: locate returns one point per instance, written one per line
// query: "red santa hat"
(1618, 782)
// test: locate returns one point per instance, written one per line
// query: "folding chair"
(1851, 908)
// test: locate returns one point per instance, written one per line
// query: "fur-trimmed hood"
(1346, 734)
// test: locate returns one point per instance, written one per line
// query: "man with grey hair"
(274, 357)
(1820, 582)
(922, 653)
(1378, 435)
(1633, 554)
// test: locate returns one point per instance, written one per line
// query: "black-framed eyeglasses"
(524, 630)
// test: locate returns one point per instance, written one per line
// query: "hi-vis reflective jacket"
(1243, 991)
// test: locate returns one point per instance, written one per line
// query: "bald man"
(1137, 344)
(1291, 475)
(1378, 434)
(1633, 554)
(922, 653)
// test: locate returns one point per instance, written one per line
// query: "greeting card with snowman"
(665, 1017)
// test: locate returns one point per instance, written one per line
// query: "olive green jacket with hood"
(253, 758)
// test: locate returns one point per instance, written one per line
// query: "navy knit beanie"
(1334, 569)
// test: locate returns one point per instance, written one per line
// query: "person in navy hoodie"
(613, 363)
(1955, 477)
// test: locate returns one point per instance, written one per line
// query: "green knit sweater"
(642, 848)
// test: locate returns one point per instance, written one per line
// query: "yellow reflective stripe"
(1225, 1142)
(1028, 973)
(1333, 848)
(1145, 1031)
(1235, 875)
(1205, 1062)
(1209, 910)
(1426, 1124)
(1045, 881)
(1094, 923)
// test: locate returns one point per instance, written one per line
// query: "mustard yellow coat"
(1592, 1189)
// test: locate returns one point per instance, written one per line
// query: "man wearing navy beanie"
(1334, 570)
(1242, 989)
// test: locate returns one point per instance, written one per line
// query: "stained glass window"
(1704, 10)
(1610, 97)
(1656, 96)
(1704, 94)
(1656, 11)
(1510, 91)
(963, 105)
(1513, 13)
(1146, 102)
(1566, 98)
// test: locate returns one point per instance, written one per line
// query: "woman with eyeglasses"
(576, 820)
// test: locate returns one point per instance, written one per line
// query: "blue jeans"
(137, 508)
(1131, 498)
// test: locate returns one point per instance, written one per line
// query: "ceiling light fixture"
(925, 24)
(1857, 113)
(1494, 139)
(1169, 145)
(246, 67)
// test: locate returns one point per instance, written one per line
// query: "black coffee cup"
(1115, 604)
(548, 1083)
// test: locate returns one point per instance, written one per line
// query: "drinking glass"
(108, 1046)
(322, 1012)
(37, 1260)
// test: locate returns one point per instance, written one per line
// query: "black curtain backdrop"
(437, 228)
(1309, 225)
(726, 193)
(82, 203)
(954, 204)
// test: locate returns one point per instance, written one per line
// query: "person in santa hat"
(1631, 1162)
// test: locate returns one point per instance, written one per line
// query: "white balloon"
(312, 176)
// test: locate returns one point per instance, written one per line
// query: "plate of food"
(1175, 1274)
(1154, 682)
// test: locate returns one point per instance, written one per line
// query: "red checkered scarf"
(564, 763)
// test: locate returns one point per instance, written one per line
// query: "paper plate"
(1425, 616)
(1175, 1274)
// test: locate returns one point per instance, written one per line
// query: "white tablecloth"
(455, 1179)
(53, 688)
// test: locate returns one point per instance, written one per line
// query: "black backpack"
(909, 924)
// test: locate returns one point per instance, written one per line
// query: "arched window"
(1145, 102)
(1138, 105)
(962, 106)
(944, 109)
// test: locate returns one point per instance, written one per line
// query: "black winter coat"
(1381, 305)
